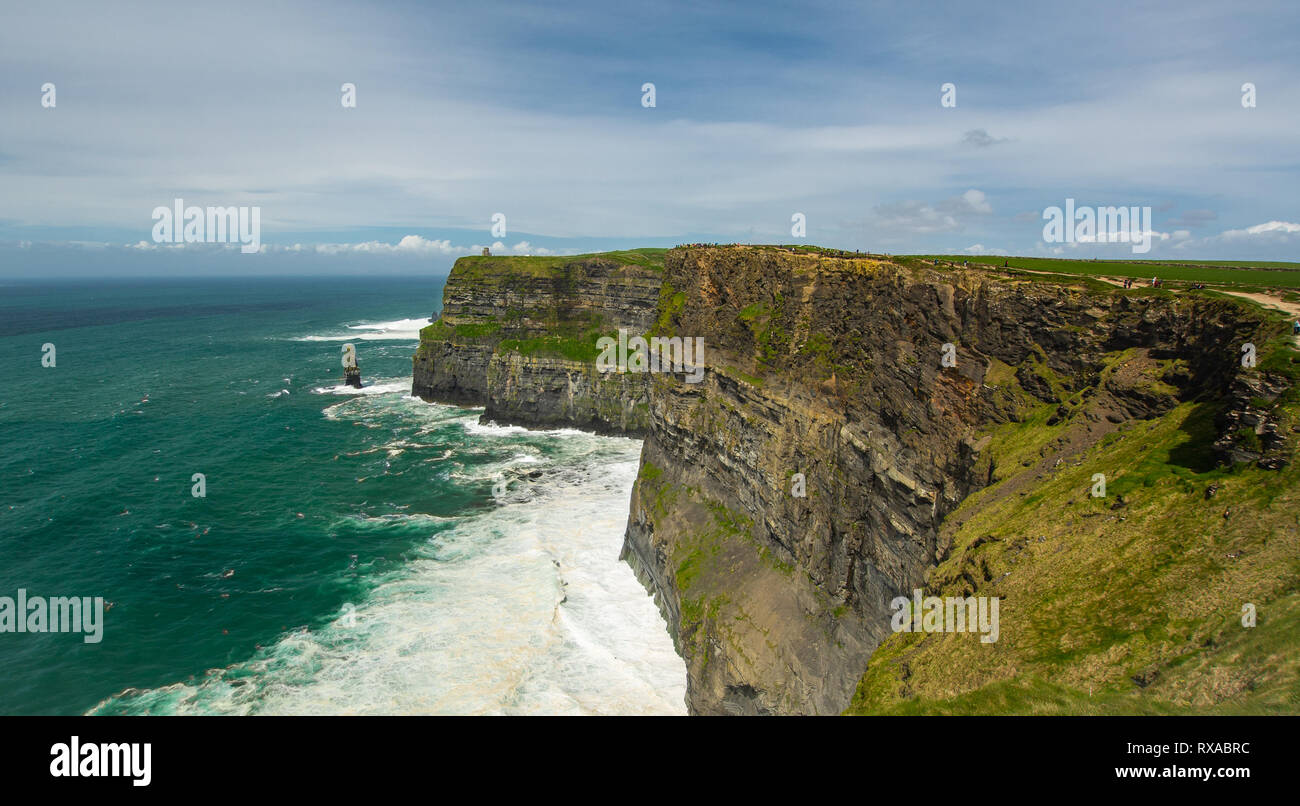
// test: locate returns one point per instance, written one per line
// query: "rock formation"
(518, 336)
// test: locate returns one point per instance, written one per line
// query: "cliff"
(832, 460)
(831, 367)
(517, 335)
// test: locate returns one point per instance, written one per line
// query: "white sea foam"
(396, 330)
(496, 430)
(493, 430)
(400, 519)
(522, 609)
(385, 386)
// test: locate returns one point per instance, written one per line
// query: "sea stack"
(351, 372)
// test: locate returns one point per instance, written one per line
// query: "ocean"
(356, 551)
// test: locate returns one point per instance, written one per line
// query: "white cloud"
(1271, 229)
(416, 246)
(585, 167)
(977, 201)
(1266, 235)
(981, 249)
(407, 246)
(412, 245)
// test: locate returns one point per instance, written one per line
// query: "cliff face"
(852, 417)
(517, 336)
(833, 368)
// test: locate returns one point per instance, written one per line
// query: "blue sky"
(534, 111)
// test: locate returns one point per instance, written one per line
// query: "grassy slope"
(1134, 608)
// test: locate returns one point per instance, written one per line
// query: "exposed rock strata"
(506, 326)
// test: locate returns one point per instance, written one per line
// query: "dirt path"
(1118, 283)
(1270, 301)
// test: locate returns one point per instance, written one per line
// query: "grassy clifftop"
(1218, 272)
(487, 267)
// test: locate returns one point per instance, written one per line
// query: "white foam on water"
(396, 330)
(495, 471)
(395, 326)
(493, 430)
(478, 429)
(397, 518)
(522, 609)
(387, 386)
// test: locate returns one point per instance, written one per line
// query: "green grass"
(1096, 592)
(671, 302)
(573, 349)
(483, 268)
(441, 330)
(1225, 272)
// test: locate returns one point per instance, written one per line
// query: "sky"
(536, 111)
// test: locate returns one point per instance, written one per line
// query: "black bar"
(613, 758)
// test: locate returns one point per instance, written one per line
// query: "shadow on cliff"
(1196, 453)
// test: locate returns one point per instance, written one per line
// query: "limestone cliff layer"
(517, 336)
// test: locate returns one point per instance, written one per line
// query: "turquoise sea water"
(351, 554)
